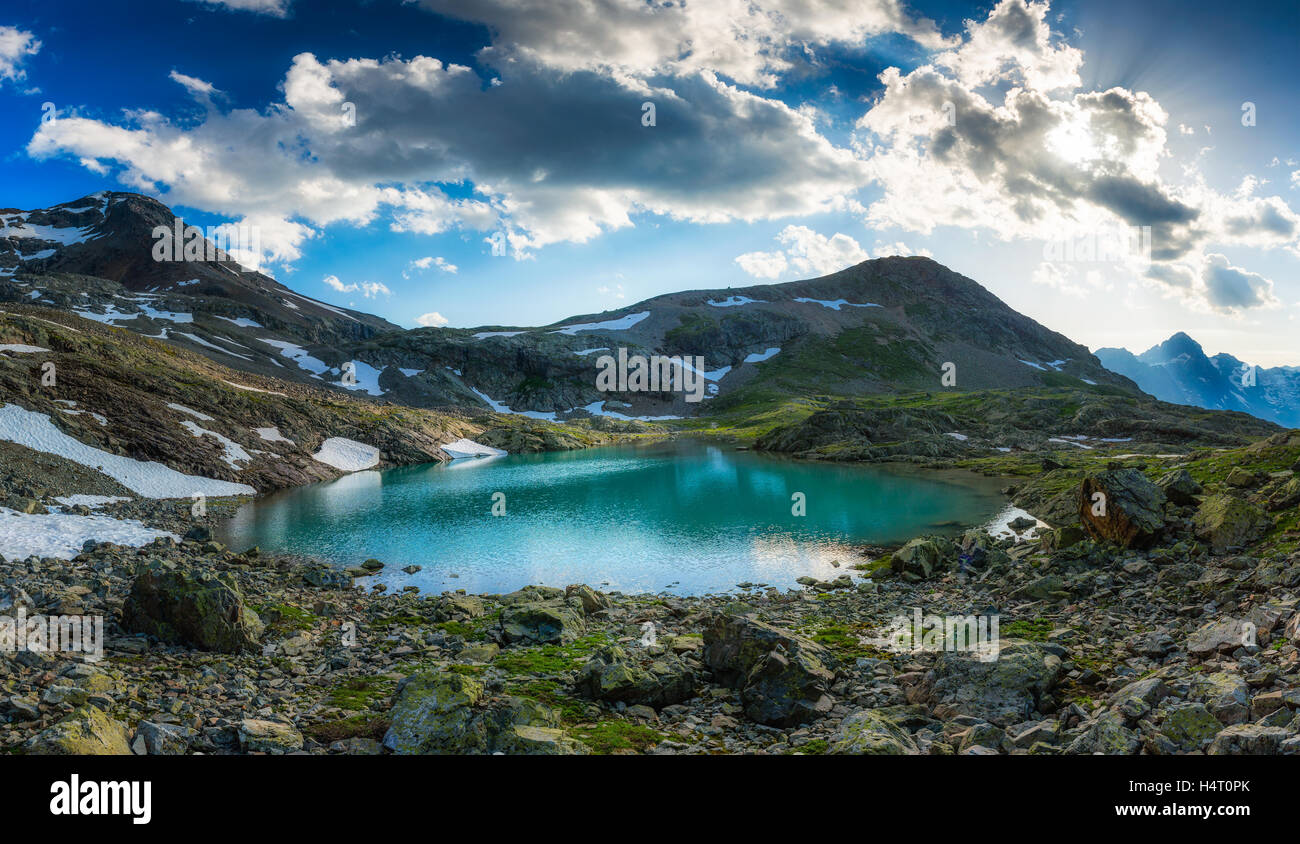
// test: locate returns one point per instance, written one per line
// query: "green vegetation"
(550, 659)
(360, 693)
(617, 735)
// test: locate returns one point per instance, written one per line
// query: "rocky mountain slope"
(1179, 371)
(90, 409)
(882, 326)
(95, 256)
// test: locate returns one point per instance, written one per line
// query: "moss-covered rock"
(1003, 691)
(442, 713)
(1225, 521)
(87, 731)
(782, 677)
(191, 606)
(611, 674)
(872, 733)
(1190, 726)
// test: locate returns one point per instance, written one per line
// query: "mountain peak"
(1179, 345)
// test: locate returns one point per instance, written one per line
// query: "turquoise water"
(679, 516)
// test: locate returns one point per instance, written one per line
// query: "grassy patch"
(550, 659)
(357, 726)
(360, 693)
(617, 735)
(1033, 631)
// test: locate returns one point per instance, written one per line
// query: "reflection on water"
(699, 517)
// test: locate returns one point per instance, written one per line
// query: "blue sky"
(791, 139)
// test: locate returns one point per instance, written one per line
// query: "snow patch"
(836, 304)
(734, 301)
(347, 455)
(63, 535)
(619, 324)
(152, 480)
(189, 411)
(468, 448)
(273, 435)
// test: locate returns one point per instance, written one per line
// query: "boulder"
(87, 731)
(1105, 735)
(542, 623)
(1130, 512)
(610, 674)
(1189, 726)
(440, 713)
(1225, 521)
(872, 733)
(1225, 695)
(1240, 478)
(1285, 496)
(1179, 487)
(1249, 740)
(1226, 634)
(782, 677)
(1001, 691)
(592, 601)
(191, 606)
(323, 576)
(271, 737)
(159, 739)
(920, 557)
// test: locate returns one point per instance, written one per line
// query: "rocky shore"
(1165, 624)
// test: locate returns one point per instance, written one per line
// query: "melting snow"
(468, 448)
(19, 348)
(90, 500)
(273, 435)
(152, 480)
(242, 322)
(234, 452)
(183, 409)
(62, 535)
(733, 301)
(482, 334)
(759, 358)
(298, 355)
(836, 304)
(619, 324)
(347, 455)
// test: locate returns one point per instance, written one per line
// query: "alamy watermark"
(179, 242)
(653, 374)
(1102, 245)
(975, 634)
(82, 634)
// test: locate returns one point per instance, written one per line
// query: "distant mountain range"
(1179, 371)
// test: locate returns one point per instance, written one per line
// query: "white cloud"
(998, 134)
(274, 8)
(752, 42)
(420, 264)
(1230, 288)
(369, 289)
(898, 248)
(806, 252)
(15, 47)
(431, 320)
(195, 86)
(551, 157)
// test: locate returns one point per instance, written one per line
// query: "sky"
(1117, 171)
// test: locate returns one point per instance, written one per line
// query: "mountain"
(1179, 371)
(884, 325)
(96, 257)
(891, 358)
